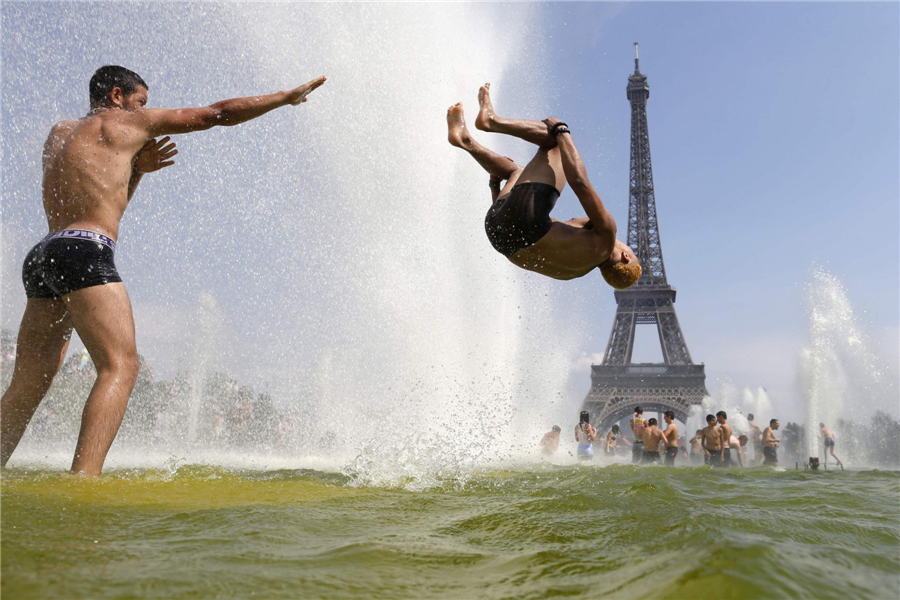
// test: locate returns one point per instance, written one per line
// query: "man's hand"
(154, 156)
(298, 95)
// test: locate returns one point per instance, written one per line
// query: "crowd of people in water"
(715, 445)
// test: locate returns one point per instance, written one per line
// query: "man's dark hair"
(710, 418)
(670, 414)
(699, 431)
(651, 422)
(113, 76)
(556, 428)
(615, 429)
(638, 410)
(743, 438)
(722, 414)
(750, 417)
(821, 424)
(772, 422)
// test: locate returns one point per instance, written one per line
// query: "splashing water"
(337, 249)
(841, 374)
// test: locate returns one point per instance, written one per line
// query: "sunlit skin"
(769, 439)
(92, 167)
(828, 434)
(725, 433)
(712, 439)
(572, 248)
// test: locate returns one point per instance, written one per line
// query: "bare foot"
(457, 134)
(486, 116)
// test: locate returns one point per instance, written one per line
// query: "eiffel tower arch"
(618, 385)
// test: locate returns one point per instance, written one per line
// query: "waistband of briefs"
(84, 234)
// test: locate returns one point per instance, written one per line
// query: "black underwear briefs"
(67, 262)
(520, 218)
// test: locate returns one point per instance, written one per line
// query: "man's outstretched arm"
(160, 121)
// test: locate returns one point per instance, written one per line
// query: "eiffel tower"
(618, 385)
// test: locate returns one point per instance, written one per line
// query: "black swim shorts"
(520, 218)
(829, 442)
(771, 456)
(69, 261)
(650, 457)
(671, 453)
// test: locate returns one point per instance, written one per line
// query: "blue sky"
(773, 127)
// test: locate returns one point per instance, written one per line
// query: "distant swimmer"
(828, 437)
(653, 437)
(712, 442)
(697, 448)
(770, 444)
(550, 441)
(725, 433)
(518, 224)
(671, 438)
(637, 428)
(585, 434)
(92, 167)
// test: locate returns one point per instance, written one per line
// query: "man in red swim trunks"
(518, 223)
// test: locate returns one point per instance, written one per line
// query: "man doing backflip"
(518, 224)
(92, 167)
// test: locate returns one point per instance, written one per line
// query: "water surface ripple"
(535, 532)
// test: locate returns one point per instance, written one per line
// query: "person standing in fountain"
(725, 433)
(697, 448)
(612, 441)
(585, 434)
(712, 442)
(92, 167)
(638, 425)
(828, 437)
(756, 437)
(653, 437)
(518, 224)
(770, 444)
(671, 438)
(550, 441)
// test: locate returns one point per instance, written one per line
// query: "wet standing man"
(638, 424)
(585, 434)
(697, 448)
(518, 223)
(725, 432)
(828, 437)
(671, 438)
(92, 167)
(712, 442)
(770, 444)
(653, 437)
(756, 437)
(550, 441)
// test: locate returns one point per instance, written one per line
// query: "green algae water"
(537, 532)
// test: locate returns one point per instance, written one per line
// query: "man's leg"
(40, 351)
(529, 130)
(497, 166)
(103, 319)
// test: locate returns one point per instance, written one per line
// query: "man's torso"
(87, 167)
(713, 441)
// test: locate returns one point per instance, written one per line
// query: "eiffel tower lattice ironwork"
(618, 385)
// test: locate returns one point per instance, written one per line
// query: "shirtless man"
(671, 438)
(518, 224)
(738, 443)
(770, 444)
(697, 448)
(550, 441)
(92, 167)
(725, 433)
(653, 437)
(756, 437)
(638, 424)
(711, 442)
(828, 437)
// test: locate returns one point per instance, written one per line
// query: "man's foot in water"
(486, 116)
(457, 134)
